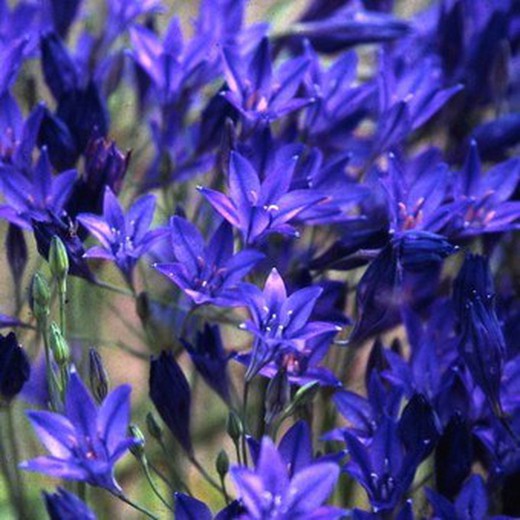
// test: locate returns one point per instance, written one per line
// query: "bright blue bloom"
(124, 237)
(84, 442)
(280, 323)
(207, 273)
(259, 208)
(269, 491)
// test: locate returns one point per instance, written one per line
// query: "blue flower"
(207, 274)
(257, 208)
(280, 323)
(85, 442)
(269, 491)
(14, 366)
(124, 238)
(64, 505)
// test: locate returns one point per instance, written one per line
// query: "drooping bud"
(234, 426)
(278, 395)
(137, 450)
(16, 249)
(154, 429)
(305, 394)
(222, 463)
(171, 395)
(59, 347)
(58, 260)
(14, 366)
(99, 382)
(40, 296)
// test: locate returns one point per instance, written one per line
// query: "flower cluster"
(296, 237)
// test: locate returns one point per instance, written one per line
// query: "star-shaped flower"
(85, 442)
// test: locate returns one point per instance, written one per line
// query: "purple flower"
(64, 505)
(14, 366)
(280, 323)
(258, 208)
(33, 197)
(85, 442)
(124, 238)
(207, 274)
(253, 90)
(170, 393)
(269, 491)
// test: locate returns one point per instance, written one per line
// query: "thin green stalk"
(223, 484)
(136, 506)
(148, 475)
(209, 479)
(244, 422)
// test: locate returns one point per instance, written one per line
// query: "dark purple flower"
(210, 359)
(280, 323)
(470, 504)
(207, 273)
(33, 197)
(170, 393)
(64, 505)
(124, 238)
(482, 345)
(14, 366)
(189, 508)
(258, 208)
(269, 491)
(85, 442)
(253, 90)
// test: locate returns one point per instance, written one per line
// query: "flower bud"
(137, 450)
(14, 366)
(154, 429)
(40, 296)
(234, 426)
(305, 394)
(58, 259)
(59, 347)
(98, 375)
(277, 396)
(222, 463)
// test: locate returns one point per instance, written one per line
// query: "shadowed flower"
(14, 366)
(269, 491)
(85, 442)
(207, 274)
(64, 505)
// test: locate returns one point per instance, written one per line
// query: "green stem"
(136, 506)
(62, 303)
(206, 475)
(244, 422)
(223, 484)
(146, 470)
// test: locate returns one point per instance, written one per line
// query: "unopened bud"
(40, 296)
(234, 426)
(222, 463)
(153, 426)
(98, 375)
(58, 260)
(59, 347)
(137, 450)
(278, 394)
(306, 394)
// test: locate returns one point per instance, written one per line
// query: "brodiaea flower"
(85, 442)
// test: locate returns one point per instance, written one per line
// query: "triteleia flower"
(14, 366)
(64, 505)
(269, 492)
(207, 274)
(171, 395)
(258, 208)
(280, 323)
(252, 89)
(124, 238)
(85, 442)
(482, 345)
